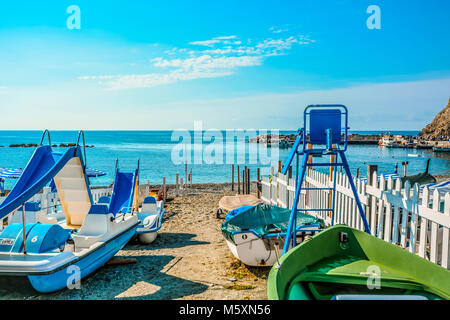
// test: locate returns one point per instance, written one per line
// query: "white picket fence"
(409, 217)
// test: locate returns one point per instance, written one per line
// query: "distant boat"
(414, 155)
(385, 141)
(424, 146)
(441, 149)
(395, 144)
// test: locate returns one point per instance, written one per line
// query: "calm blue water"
(154, 149)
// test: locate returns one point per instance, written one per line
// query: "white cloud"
(207, 43)
(226, 37)
(278, 30)
(224, 60)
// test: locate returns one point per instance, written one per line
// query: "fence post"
(414, 218)
(372, 204)
(434, 228)
(423, 223)
(445, 235)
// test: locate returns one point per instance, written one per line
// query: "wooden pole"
(185, 166)
(190, 177)
(357, 173)
(232, 177)
(258, 179)
(248, 181)
(239, 180)
(243, 181)
(279, 165)
(177, 186)
(164, 189)
(405, 165)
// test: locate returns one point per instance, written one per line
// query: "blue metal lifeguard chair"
(325, 130)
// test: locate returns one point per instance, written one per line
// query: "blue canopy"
(92, 173)
(15, 173)
(10, 173)
(442, 187)
(386, 176)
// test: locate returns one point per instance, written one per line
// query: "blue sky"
(236, 64)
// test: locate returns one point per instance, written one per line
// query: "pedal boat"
(150, 216)
(55, 258)
(59, 254)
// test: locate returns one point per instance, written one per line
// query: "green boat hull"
(344, 261)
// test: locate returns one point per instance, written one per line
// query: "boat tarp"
(266, 219)
(229, 203)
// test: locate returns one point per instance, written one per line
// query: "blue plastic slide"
(40, 170)
(123, 192)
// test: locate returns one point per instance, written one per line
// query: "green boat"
(343, 263)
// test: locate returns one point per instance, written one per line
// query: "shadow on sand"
(166, 240)
(143, 280)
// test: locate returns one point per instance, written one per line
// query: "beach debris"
(236, 286)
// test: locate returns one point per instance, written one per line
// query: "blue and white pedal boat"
(56, 256)
(150, 216)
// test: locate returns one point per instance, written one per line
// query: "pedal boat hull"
(51, 272)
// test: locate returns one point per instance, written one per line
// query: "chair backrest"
(319, 119)
(104, 199)
(150, 205)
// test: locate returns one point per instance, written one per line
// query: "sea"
(164, 153)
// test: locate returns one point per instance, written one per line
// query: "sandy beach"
(189, 260)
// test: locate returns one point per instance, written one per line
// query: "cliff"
(439, 128)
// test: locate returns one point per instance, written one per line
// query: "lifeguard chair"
(324, 132)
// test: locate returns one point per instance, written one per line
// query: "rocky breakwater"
(353, 138)
(34, 145)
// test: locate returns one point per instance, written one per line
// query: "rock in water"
(440, 126)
